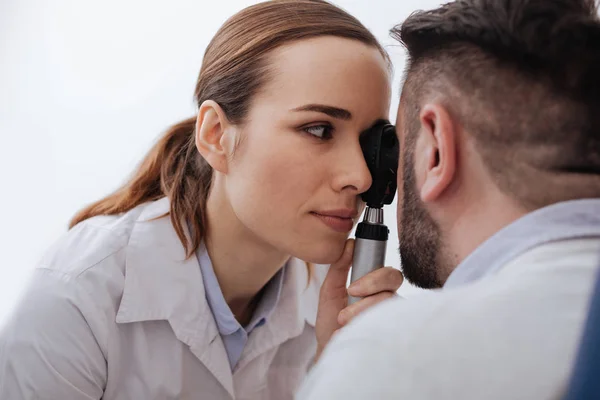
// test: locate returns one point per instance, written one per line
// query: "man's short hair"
(523, 78)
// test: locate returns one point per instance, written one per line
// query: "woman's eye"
(320, 131)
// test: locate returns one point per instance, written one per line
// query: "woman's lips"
(337, 223)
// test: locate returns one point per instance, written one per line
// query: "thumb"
(337, 275)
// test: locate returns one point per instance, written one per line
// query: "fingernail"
(349, 249)
(354, 287)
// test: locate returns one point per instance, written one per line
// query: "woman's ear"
(213, 136)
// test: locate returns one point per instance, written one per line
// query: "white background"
(85, 89)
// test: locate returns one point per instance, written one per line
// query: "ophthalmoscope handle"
(369, 246)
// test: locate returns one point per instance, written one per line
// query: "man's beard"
(420, 236)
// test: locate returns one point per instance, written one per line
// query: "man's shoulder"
(554, 277)
(520, 301)
(474, 341)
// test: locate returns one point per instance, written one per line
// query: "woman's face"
(295, 178)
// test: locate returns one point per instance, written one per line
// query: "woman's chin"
(323, 254)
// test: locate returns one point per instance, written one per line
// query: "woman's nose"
(352, 172)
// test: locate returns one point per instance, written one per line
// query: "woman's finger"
(381, 280)
(337, 275)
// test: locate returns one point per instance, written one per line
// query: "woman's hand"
(334, 311)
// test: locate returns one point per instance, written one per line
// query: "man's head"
(499, 116)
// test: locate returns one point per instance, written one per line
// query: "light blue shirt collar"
(573, 219)
(233, 334)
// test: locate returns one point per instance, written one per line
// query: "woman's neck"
(243, 264)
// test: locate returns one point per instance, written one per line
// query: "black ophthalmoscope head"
(381, 151)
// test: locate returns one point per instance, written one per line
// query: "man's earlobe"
(210, 136)
(440, 152)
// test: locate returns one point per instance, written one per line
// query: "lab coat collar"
(161, 283)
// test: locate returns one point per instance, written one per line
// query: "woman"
(187, 282)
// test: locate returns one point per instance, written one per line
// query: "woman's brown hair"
(234, 68)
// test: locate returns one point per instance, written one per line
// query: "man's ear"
(213, 139)
(438, 150)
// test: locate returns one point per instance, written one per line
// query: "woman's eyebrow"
(334, 112)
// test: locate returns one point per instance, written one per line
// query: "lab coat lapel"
(162, 284)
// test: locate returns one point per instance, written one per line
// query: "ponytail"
(173, 168)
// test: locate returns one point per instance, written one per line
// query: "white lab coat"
(115, 311)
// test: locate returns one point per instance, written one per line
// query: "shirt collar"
(226, 321)
(161, 282)
(573, 219)
(268, 301)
